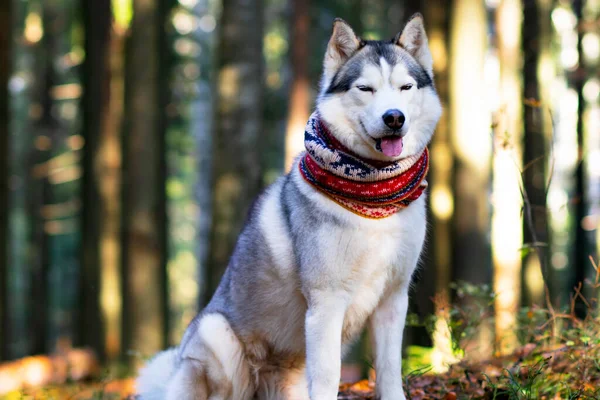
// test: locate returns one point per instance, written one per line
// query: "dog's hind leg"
(295, 385)
(284, 384)
(213, 365)
(189, 382)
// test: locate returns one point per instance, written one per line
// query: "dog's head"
(378, 97)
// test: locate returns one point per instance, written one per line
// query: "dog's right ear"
(342, 44)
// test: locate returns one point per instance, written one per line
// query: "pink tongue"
(391, 146)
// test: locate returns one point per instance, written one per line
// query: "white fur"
(379, 290)
(219, 337)
(151, 383)
(216, 357)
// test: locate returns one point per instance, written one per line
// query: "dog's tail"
(151, 383)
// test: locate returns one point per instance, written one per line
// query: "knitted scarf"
(370, 188)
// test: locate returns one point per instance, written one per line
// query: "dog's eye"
(408, 86)
(364, 88)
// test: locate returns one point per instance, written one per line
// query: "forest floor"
(565, 371)
(531, 373)
(559, 358)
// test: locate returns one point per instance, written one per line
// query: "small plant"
(473, 308)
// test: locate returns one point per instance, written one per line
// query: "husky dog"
(308, 272)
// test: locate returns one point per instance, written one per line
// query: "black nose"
(394, 118)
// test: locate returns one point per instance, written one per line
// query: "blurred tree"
(201, 112)
(584, 246)
(438, 253)
(535, 154)
(46, 133)
(506, 222)
(27, 33)
(96, 18)
(189, 103)
(5, 71)
(238, 138)
(277, 29)
(299, 105)
(144, 209)
(52, 180)
(61, 173)
(580, 248)
(469, 119)
(590, 61)
(471, 256)
(546, 48)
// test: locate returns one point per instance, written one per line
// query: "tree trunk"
(17, 332)
(506, 208)
(47, 134)
(59, 214)
(472, 164)
(5, 70)
(535, 158)
(440, 196)
(95, 104)
(546, 47)
(300, 90)
(238, 132)
(470, 121)
(583, 246)
(144, 270)
(195, 115)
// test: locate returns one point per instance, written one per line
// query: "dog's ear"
(342, 44)
(414, 40)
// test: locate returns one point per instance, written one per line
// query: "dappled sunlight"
(470, 118)
(507, 224)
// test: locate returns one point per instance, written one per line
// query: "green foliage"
(417, 358)
(530, 324)
(473, 308)
(558, 356)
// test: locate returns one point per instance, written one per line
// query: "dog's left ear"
(414, 40)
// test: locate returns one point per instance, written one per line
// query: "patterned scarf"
(370, 188)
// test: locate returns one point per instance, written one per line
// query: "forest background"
(134, 135)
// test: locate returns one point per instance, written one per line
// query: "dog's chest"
(373, 266)
(372, 261)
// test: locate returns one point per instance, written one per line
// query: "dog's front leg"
(324, 320)
(387, 327)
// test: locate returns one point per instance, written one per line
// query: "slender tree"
(22, 119)
(506, 225)
(47, 132)
(535, 152)
(469, 122)
(5, 69)
(238, 135)
(439, 249)
(583, 247)
(436, 24)
(144, 215)
(300, 87)
(95, 101)
(165, 62)
(200, 125)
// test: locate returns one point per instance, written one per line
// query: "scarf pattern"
(370, 188)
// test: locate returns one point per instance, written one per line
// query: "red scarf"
(370, 188)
